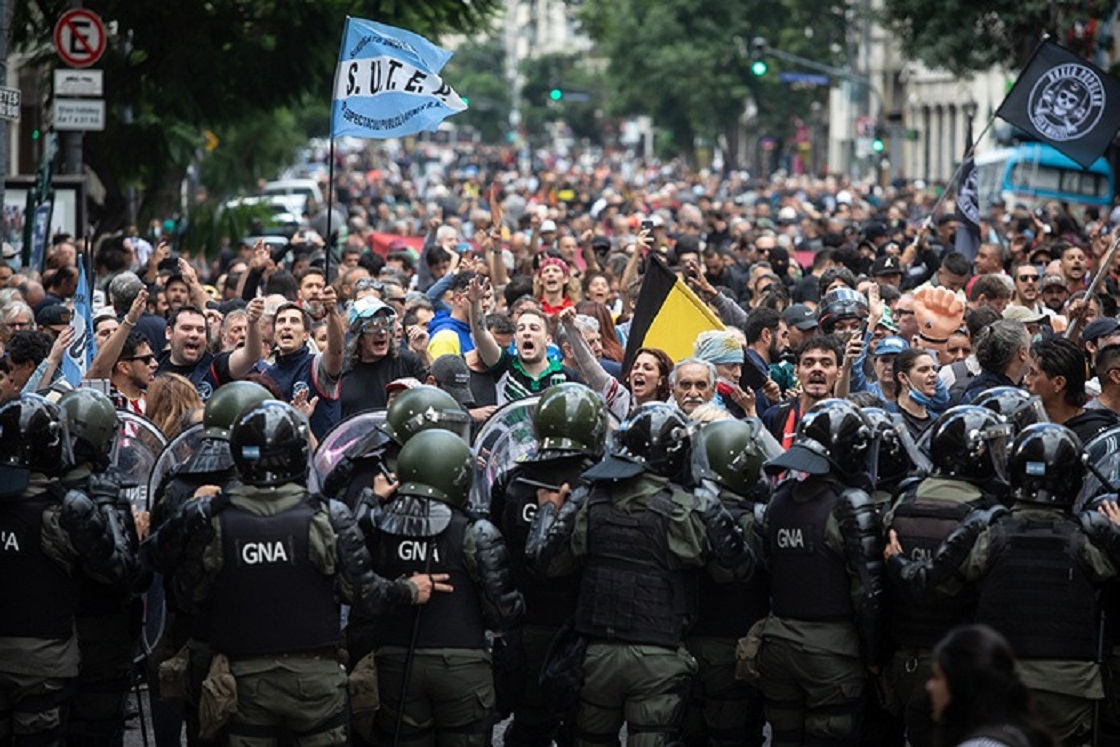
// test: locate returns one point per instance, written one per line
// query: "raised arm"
(488, 349)
(110, 351)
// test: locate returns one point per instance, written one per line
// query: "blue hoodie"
(444, 321)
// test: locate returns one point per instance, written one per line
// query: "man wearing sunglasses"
(1028, 290)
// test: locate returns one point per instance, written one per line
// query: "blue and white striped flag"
(387, 83)
(76, 360)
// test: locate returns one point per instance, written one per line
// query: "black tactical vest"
(37, 597)
(808, 580)
(269, 597)
(448, 620)
(922, 525)
(548, 602)
(1037, 593)
(628, 591)
(729, 610)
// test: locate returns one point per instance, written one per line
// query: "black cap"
(801, 316)
(1098, 328)
(452, 376)
(886, 266)
(54, 314)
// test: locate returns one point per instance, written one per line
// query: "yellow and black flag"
(668, 315)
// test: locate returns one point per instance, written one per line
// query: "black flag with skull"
(1065, 101)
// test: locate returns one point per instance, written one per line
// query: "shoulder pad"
(483, 529)
(856, 498)
(908, 486)
(706, 492)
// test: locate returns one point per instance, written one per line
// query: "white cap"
(548, 226)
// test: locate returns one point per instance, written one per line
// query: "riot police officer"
(433, 668)
(727, 457)
(412, 411)
(968, 449)
(570, 427)
(48, 534)
(1036, 569)
(897, 459)
(108, 616)
(823, 545)
(211, 464)
(246, 555)
(638, 537)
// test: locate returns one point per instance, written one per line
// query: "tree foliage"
(964, 36)
(685, 63)
(477, 73)
(224, 65)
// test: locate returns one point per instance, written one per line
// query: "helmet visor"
(997, 439)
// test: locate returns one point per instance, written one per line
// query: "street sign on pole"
(79, 114)
(79, 37)
(810, 79)
(79, 82)
(9, 103)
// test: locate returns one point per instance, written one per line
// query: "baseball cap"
(53, 315)
(886, 266)
(801, 316)
(366, 307)
(9, 251)
(548, 226)
(399, 385)
(1023, 314)
(892, 345)
(452, 376)
(1098, 328)
(1050, 280)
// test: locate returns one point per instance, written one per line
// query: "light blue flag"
(78, 357)
(387, 83)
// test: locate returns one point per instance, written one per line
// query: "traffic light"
(556, 94)
(35, 134)
(759, 46)
(878, 143)
(759, 68)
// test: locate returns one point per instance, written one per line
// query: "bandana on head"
(718, 347)
(553, 261)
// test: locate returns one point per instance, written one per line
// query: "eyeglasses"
(368, 284)
(395, 299)
(899, 313)
(19, 325)
(1028, 278)
(145, 359)
(375, 325)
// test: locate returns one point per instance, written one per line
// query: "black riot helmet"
(1046, 465)
(436, 464)
(833, 436)
(970, 443)
(269, 444)
(898, 455)
(33, 436)
(840, 303)
(570, 417)
(91, 421)
(654, 438)
(1019, 408)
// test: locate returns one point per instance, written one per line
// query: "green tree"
(476, 72)
(686, 63)
(187, 66)
(964, 36)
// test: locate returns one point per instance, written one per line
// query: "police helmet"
(655, 437)
(1046, 465)
(34, 436)
(227, 403)
(570, 417)
(422, 408)
(269, 444)
(1019, 408)
(970, 443)
(833, 435)
(730, 453)
(436, 464)
(840, 303)
(92, 423)
(897, 454)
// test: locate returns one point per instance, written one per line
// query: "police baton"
(1098, 280)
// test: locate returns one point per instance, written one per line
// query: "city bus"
(1035, 173)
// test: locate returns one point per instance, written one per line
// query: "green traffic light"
(758, 68)
(877, 145)
(35, 134)
(556, 94)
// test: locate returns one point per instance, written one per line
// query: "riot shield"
(352, 437)
(138, 445)
(1102, 457)
(173, 455)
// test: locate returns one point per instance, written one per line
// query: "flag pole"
(1098, 280)
(330, 201)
